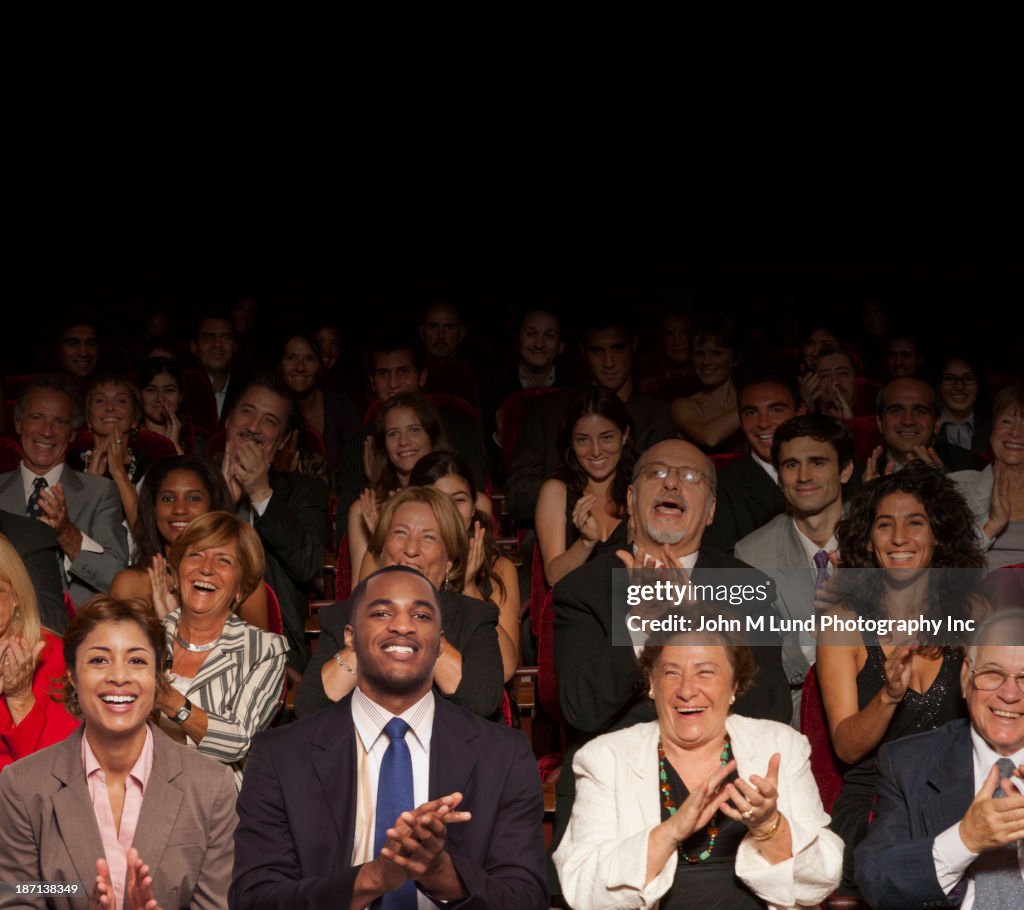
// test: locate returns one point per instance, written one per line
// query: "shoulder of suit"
(921, 749)
(293, 482)
(468, 608)
(758, 734)
(267, 643)
(764, 537)
(26, 533)
(504, 739)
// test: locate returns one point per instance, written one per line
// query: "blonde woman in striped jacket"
(227, 677)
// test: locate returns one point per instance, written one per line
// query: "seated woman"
(700, 807)
(332, 416)
(227, 678)
(667, 373)
(118, 794)
(113, 410)
(418, 527)
(489, 575)
(880, 689)
(406, 428)
(585, 501)
(30, 663)
(174, 491)
(162, 382)
(709, 418)
(996, 495)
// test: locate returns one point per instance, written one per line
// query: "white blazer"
(602, 859)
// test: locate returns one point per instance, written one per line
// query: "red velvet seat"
(825, 764)
(510, 418)
(10, 454)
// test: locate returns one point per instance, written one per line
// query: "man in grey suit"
(83, 510)
(814, 458)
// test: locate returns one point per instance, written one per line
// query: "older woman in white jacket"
(661, 816)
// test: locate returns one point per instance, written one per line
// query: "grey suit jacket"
(775, 549)
(95, 509)
(48, 829)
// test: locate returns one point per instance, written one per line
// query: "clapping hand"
(755, 804)
(583, 518)
(993, 823)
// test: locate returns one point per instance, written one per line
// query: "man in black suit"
(938, 837)
(314, 791)
(214, 348)
(600, 686)
(909, 417)
(288, 510)
(748, 488)
(36, 544)
(608, 345)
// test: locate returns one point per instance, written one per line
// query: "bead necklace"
(669, 803)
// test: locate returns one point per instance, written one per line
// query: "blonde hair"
(449, 523)
(25, 618)
(214, 529)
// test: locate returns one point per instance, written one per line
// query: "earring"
(650, 693)
(732, 699)
(444, 584)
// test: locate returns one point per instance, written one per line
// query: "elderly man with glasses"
(671, 502)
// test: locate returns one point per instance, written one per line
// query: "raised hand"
(583, 518)
(139, 891)
(897, 673)
(164, 601)
(475, 559)
(999, 506)
(700, 805)
(369, 508)
(993, 823)
(102, 896)
(98, 461)
(756, 803)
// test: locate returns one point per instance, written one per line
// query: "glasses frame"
(1018, 678)
(681, 472)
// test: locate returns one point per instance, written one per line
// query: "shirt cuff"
(88, 546)
(260, 507)
(951, 857)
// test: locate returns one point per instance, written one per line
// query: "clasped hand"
(139, 886)
(993, 823)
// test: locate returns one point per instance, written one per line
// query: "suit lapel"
(12, 494)
(758, 485)
(161, 804)
(642, 763)
(73, 808)
(333, 751)
(949, 791)
(454, 751)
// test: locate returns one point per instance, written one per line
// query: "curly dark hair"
(432, 468)
(601, 402)
(148, 541)
(952, 525)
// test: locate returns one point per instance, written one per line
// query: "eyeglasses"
(990, 680)
(954, 380)
(655, 470)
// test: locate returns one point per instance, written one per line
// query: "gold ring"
(748, 815)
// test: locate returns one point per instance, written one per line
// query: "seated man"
(608, 345)
(391, 791)
(748, 488)
(909, 416)
(814, 458)
(214, 349)
(832, 388)
(904, 354)
(540, 345)
(288, 510)
(600, 683)
(78, 351)
(84, 510)
(949, 815)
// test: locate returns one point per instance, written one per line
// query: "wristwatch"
(183, 713)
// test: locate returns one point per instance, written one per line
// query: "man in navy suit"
(938, 832)
(307, 808)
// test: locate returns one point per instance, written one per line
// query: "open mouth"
(203, 586)
(690, 711)
(901, 556)
(669, 507)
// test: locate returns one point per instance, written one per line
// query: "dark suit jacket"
(36, 544)
(293, 847)
(48, 829)
(94, 507)
(294, 534)
(470, 625)
(537, 455)
(953, 457)
(600, 686)
(747, 499)
(925, 784)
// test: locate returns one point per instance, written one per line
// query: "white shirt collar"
(370, 719)
(526, 379)
(28, 478)
(985, 757)
(765, 466)
(684, 562)
(811, 548)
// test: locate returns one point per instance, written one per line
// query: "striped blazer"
(239, 686)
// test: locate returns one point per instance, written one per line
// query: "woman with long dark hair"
(585, 501)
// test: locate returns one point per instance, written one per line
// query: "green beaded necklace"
(669, 803)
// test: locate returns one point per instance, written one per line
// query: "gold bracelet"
(340, 661)
(771, 831)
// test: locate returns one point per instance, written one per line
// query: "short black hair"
(760, 375)
(358, 595)
(819, 427)
(272, 382)
(388, 343)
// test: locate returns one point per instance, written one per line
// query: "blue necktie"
(394, 796)
(997, 880)
(32, 508)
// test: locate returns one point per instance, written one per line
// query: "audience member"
(540, 346)
(608, 345)
(582, 505)
(31, 662)
(421, 528)
(173, 492)
(226, 677)
(748, 493)
(288, 510)
(813, 456)
(905, 355)
(83, 510)
(832, 389)
(884, 688)
(452, 811)
(78, 351)
(214, 350)
(947, 828)
(667, 372)
(162, 384)
(996, 494)
(965, 402)
(117, 793)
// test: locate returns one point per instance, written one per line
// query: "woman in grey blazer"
(117, 810)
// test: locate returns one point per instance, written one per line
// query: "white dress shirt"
(765, 466)
(952, 859)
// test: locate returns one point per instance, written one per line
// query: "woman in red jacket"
(31, 662)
